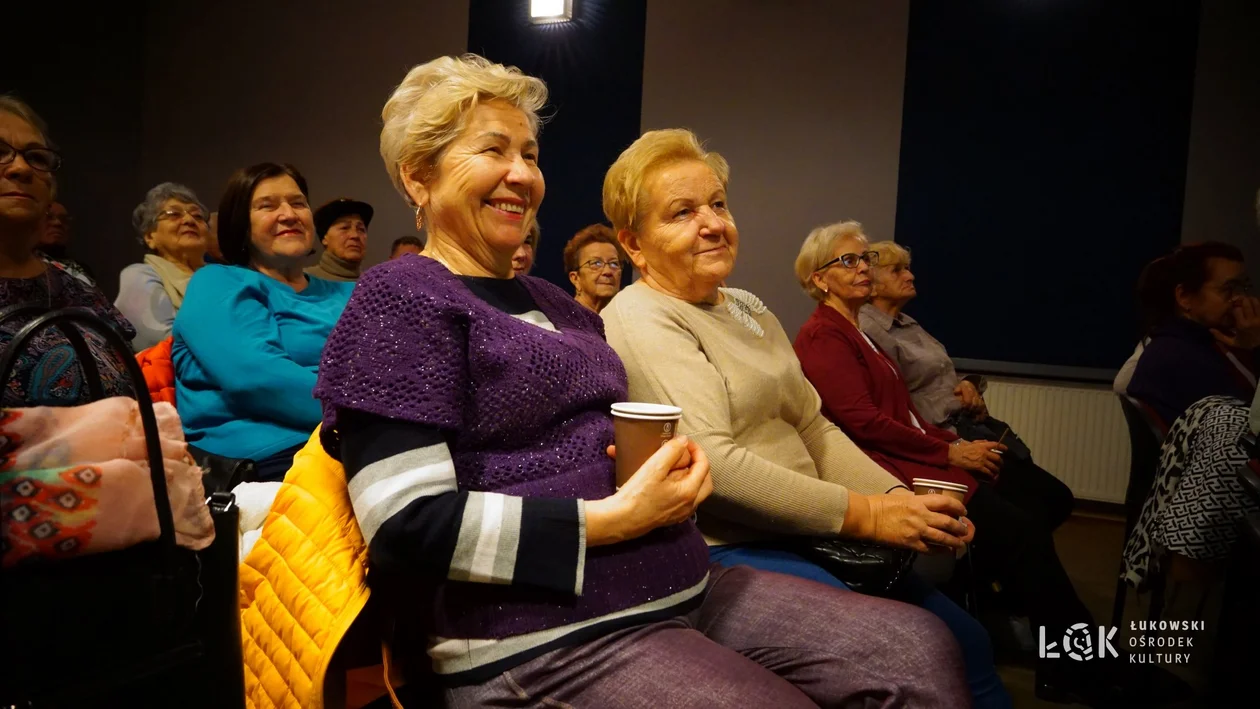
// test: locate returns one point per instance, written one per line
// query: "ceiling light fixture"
(547, 11)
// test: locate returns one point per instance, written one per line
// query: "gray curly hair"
(144, 217)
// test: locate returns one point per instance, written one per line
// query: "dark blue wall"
(593, 67)
(1043, 162)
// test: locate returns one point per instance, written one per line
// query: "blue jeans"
(987, 690)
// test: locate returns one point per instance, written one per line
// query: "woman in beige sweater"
(779, 468)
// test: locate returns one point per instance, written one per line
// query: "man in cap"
(342, 228)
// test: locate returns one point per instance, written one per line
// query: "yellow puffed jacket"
(302, 585)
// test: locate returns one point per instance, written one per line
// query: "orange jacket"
(159, 371)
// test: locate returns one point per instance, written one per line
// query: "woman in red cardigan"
(863, 392)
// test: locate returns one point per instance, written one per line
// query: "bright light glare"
(546, 8)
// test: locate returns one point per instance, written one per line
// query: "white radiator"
(1075, 431)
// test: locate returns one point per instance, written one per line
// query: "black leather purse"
(220, 473)
(866, 567)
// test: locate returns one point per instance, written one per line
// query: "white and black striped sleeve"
(414, 517)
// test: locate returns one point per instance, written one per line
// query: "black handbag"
(151, 625)
(220, 473)
(865, 567)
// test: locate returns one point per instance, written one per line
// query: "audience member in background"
(54, 243)
(523, 259)
(249, 335)
(172, 224)
(47, 372)
(213, 253)
(940, 397)
(594, 261)
(1205, 327)
(779, 468)
(448, 394)
(406, 245)
(342, 226)
(864, 392)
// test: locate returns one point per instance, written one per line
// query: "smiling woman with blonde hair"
(779, 468)
(469, 406)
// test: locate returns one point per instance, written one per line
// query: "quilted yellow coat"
(302, 585)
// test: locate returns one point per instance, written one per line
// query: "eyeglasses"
(42, 159)
(179, 214)
(1237, 288)
(598, 264)
(851, 260)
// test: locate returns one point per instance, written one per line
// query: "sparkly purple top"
(524, 411)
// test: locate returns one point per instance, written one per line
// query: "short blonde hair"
(891, 254)
(819, 248)
(430, 108)
(624, 201)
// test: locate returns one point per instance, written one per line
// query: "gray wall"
(804, 98)
(1223, 173)
(82, 72)
(236, 82)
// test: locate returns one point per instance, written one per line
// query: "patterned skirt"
(1195, 505)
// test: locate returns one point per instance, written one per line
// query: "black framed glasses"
(42, 159)
(598, 264)
(851, 260)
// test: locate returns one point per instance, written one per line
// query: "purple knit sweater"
(524, 411)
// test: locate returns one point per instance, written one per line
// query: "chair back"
(1146, 435)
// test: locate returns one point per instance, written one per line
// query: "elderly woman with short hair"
(470, 408)
(943, 399)
(523, 258)
(173, 224)
(864, 392)
(780, 469)
(595, 262)
(48, 373)
(249, 335)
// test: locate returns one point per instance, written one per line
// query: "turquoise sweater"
(246, 354)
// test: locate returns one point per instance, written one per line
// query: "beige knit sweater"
(778, 466)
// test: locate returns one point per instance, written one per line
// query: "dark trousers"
(1015, 548)
(1023, 483)
(274, 467)
(1039, 494)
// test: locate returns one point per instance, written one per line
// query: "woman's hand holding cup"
(665, 490)
(912, 521)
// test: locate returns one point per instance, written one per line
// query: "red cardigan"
(863, 392)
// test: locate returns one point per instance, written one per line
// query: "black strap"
(68, 319)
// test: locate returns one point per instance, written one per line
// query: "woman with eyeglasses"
(1204, 329)
(864, 392)
(249, 335)
(594, 261)
(173, 224)
(48, 372)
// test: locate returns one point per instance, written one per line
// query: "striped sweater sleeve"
(414, 517)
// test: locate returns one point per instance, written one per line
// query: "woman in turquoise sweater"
(249, 335)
